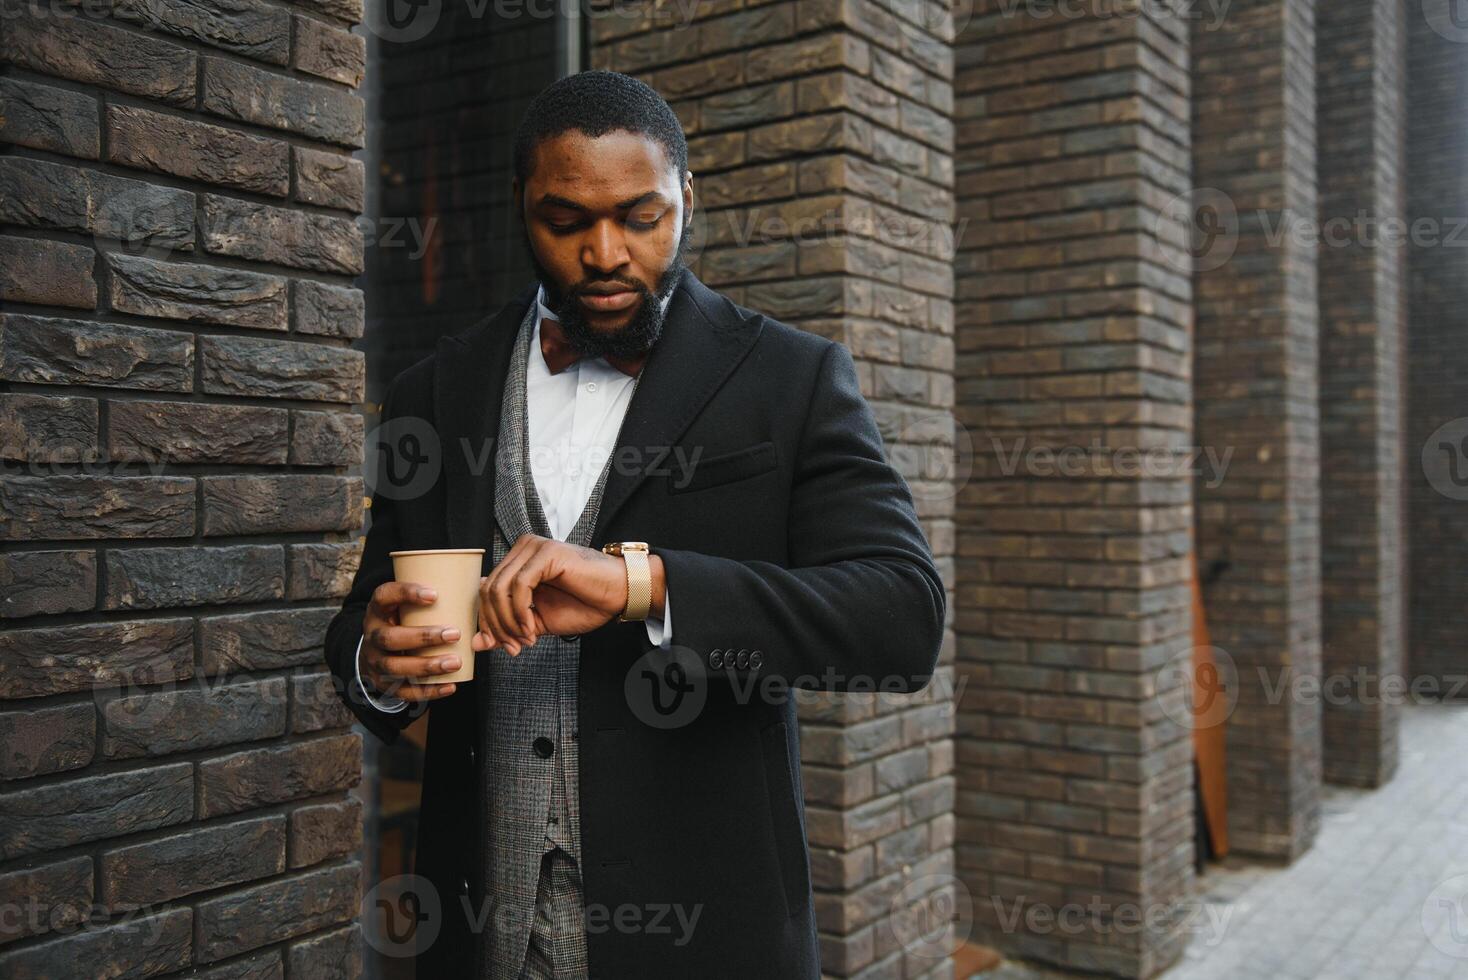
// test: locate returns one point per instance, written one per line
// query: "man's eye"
(645, 222)
(563, 227)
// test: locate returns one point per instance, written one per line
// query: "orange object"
(1210, 720)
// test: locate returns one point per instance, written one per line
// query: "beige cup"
(454, 574)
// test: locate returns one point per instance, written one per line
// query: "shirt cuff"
(390, 703)
(660, 631)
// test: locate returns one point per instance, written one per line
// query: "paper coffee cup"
(454, 574)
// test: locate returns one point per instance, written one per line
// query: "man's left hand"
(573, 590)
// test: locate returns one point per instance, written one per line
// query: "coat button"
(716, 659)
(755, 659)
(544, 747)
(472, 755)
(571, 637)
(463, 886)
(743, 660)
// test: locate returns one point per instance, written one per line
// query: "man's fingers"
(489, 619)
(485, 638)
(424, 692)
(416, 666)
(386, 636)
(389, 595)
(390, 674)
(520, 595)
(501, 581)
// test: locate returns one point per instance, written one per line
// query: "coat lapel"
(469, 379)
(701, 344)
(699, 348)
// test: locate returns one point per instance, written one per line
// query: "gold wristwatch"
(639, 578)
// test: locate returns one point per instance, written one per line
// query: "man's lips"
(609, 302)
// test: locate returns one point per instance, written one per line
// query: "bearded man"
(613, 795)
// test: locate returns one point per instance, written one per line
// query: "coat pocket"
(785, 816)
(713, 471)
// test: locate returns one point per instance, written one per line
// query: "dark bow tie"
(559, 354)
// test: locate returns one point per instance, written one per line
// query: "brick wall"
(177, 246)
(820, 144)
(1436, 446)
(1073, 610)
(1257, 398)
(1361, 96)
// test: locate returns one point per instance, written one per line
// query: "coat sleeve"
(345, 629)
(861, 606)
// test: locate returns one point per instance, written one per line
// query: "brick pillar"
(1361, 114)
(820, 143)
(1436, 446)
(1257, 396)
(177, 246)
(1073, 609)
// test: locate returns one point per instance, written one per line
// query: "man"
(616, 795)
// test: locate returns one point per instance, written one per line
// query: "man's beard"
(640, 333)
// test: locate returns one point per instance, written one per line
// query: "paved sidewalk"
(1383, 894)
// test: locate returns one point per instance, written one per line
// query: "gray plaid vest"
(530, 703)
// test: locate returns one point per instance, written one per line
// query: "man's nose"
(605, 249)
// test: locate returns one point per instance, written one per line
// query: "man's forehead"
(612, 156)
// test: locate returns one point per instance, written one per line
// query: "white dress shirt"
(573, 420)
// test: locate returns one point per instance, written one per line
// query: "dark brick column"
(1436, 446)
(1361, 115)
(177, 247)
(820, 144)
(1257, 396)
(1074, 616)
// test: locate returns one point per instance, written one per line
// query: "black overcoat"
(751, 463)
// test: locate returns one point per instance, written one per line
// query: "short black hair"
(598, 102)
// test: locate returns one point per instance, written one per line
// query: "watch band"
(639, 578)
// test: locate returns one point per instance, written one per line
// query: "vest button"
(544, 747)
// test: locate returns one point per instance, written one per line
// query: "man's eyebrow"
(556, 201)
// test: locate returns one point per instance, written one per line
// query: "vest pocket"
(785, 816)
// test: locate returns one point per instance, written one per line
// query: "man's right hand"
(388, 648)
